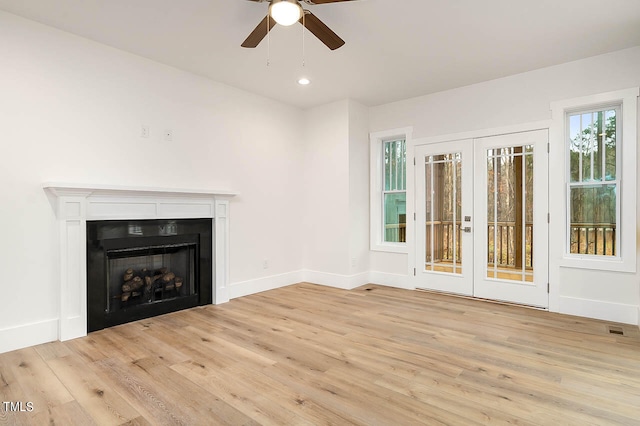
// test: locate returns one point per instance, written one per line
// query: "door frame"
(413, 280)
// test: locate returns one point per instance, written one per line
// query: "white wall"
(358, 188)
(326, 183)
(514, 100)
(71, 111)
(336, 182)
(521, 98)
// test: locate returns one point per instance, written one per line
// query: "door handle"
(467, 229)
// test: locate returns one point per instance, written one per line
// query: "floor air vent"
(616, 330)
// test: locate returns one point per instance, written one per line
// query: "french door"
(481, 217)
(444, 213)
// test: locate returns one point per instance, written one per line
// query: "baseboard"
(391, 280)
(245, 288)
(23, 336)
(608, 311)
(345, 282)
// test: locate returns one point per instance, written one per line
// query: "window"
(394, 193)
(389, 186)
(593, 204)
(593, 159)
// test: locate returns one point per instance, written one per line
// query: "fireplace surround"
(142, 268)
(76, 205)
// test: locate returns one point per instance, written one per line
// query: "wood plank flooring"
(313, 355)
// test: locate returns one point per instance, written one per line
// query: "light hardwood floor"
(308, 355)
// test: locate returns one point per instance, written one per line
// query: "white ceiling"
(395, 49)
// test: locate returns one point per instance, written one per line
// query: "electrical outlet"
(144, 131)
(354, 262)
(265, 264)
(168, 135)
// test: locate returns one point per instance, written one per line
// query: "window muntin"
(594, 168)
(510, 213)
(394, 193)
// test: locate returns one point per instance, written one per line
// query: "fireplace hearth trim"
(77, 203)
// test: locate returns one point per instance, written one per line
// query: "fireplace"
(141, 268)
(147, 212)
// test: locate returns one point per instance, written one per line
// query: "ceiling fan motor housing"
(285, 12)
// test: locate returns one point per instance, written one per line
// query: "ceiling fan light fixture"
(285, 12)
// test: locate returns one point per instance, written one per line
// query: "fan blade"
(320, 30)
(259, 32)
(324, 1)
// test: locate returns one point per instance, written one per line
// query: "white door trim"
(411, 170)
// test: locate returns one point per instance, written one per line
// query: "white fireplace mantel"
(77, 203)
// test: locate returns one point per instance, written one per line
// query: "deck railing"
(504, 254)
(586, 238)
(502, 236)
(444, 233)
(593, 238)
(395, 232)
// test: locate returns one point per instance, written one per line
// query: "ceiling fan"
(288, 12)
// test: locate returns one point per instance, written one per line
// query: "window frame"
(626, 177)
(377, 189)
(617, 107)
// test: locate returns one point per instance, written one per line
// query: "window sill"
(390, 247)
(593, 262)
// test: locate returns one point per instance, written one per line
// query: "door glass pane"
(510, 213)
(443, 213)
(528, 230)
(429, 242)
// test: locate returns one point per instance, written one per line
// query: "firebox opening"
(139, 269)
(150, 274)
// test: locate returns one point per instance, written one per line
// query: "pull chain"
(303, 27)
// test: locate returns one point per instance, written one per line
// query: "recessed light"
(304, 81)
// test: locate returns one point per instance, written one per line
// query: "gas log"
(139, 282)
(133, 284)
